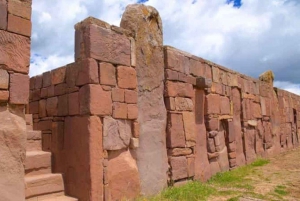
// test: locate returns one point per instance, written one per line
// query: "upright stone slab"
(145, 23)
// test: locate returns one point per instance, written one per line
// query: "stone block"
(212, 124)
(42, 108)
(127, 78)
(191, 166)
(35, 95)
(38, 83)
(3, 14)
(4, 96)
(174, 60)
(63, 108)
(119, 110)
(132, 111)
(20, 8)
(170, 103)
(47, 79)
(118, 95)
(211, 145)
(60, 89)
(175, 131)
(44, 93)
(19, 25)
(215, 74)
(217, 88)
(116, 133)
(197, 68)
(50, 91)
(19, 88)
(183, 104)
(171, 75)
(189, 128)
(179, 167)
(102, 44)
(107, 74)
(87, 72)
(123, 182)
(4, 79)
(212, 104)
(179, 151)
(135, 129)
(94, 100)
(58, 75)
(134, 143)
(173, 89)
(14, 52)
(224, 105)
(223, 159)
(203, 83)
(57, 137)
(223, 77)
(231, 131)
(52, 106)
(131, 96)
(73, 103)
(34, 107)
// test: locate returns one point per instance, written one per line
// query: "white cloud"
(258, 36)
(288, 86)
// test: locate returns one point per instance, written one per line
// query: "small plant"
(260, 162)
(281, 190)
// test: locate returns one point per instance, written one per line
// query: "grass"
(281, 190)
(236, 183)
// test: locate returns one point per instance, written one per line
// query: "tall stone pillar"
(15, 31)
(145, 23)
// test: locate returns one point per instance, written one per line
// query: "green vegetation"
(232, 184)
(281, 190)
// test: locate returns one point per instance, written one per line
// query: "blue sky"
(249, 36)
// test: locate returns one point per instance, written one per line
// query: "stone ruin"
(130, 116)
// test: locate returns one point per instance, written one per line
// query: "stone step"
(39, 185)
(34, 140)
(37, 162)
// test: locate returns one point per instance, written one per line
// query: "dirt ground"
(278, 180)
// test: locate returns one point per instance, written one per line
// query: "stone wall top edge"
(100, 23)
(54, 69)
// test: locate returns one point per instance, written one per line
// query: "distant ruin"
(130, 116)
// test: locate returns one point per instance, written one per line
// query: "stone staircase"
(40, 183)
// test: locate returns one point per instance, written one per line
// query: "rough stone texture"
(19, 25)
(19, 88)
(151, 155)
(107, 74)
(179, 167)
(14, 52)
(116, 133)
(12, 154)
(126, 77)
(175, 131)
(3, 14)
(102, 44)
(123, 177)
(189, 128)
(20, 8)
(82, 158)
(4, 79)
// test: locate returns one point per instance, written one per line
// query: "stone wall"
(15, 31)
(131, 116)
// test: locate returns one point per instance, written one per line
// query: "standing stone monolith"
(145, 24)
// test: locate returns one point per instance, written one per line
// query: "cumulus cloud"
(250, 36)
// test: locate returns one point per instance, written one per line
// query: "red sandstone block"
(21, 8)
(47, 79)
(50, 91)
(42, 108)
(58, 75)
(173, 89)
(191, 166)
(197, 68)
(179, 167)
(107, 74)
(131, 96)
(126, 77)
(4, 79)
(35, 95)
(46, 142)
(57, 136)
(224, 105)
(170, 103)
(3, 14)
(132, 111)
(96, 42)
(44, 93)
(217, 88)
(255, 110)
(52, 106)
(4, 95)
(175, 131)
(94, 100)
(32, 82)
(212, 124)
(73, 103)
(19, 89)
(171, 75)
(223, 77)
(87, 72)
(19, 25)
(63, 108)
(212, 104)
(136, 129)
(12, 45)
(208, 71)
(38, 84)
(118, 95)
(34, 107)
(60, 89)
(119, 110)
(44, 125)
(174, 60)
